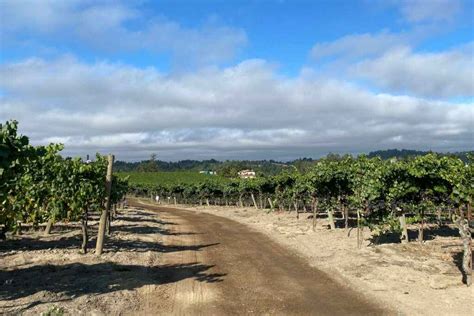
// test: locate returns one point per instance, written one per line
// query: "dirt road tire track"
(241, 271)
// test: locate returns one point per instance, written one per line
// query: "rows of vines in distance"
(38, 185)
(429, 184)
(384, 195)
(166, 178)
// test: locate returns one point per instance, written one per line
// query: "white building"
(246, 174)
(208, 172)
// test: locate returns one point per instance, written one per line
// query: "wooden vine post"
(358, 230)
(332, 224)
(104, 216)
(315, 212)
(465, 232)
(254, 201)
(421, 227)
(271, 204)
(85, 234)
(49, 226)
(345, 211)
(403, 226)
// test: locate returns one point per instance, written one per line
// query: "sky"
(238, 79)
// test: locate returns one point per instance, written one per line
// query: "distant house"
(246, 174)
(208, 172)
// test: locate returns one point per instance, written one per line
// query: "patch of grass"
(53, 311)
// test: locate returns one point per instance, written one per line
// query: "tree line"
(229, 168)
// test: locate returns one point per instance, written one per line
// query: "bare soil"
(37, 272)
(169, 261)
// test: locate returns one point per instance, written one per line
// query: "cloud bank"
(242, 111)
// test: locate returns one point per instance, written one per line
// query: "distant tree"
(149, 166)
(304, 165)
(333, 157)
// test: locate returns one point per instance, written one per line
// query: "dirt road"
(227, 268)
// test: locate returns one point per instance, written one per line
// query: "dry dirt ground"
(191, 262)
(411, 279)
(168, 262)
(38, 273)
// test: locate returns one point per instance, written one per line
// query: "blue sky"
(239, 79)
(267, 24)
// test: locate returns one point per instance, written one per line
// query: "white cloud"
(391, 62)
(104, 26)
(416, 11)
(243, 111)
(441, 74)
(360, 45)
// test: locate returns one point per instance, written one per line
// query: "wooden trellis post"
(104, 216)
